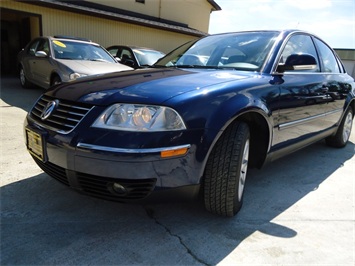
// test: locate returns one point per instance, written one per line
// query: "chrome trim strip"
(305, 120)
(87, 146)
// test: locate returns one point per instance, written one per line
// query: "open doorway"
(17, 29)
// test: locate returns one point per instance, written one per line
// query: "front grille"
(101, 187)
(65, 116)
(53, 170)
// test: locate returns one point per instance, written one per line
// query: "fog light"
(119, 189)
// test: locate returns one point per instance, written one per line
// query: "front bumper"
(116, 174)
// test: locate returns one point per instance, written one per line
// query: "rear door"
(337, 84)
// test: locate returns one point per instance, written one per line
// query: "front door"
(303, 96)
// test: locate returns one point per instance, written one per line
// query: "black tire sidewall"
(238, 203)
(222, 173)
(56, 80)
(337, 140)
(25, 83)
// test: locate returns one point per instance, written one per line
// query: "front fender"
(255, 113)
(214, 113)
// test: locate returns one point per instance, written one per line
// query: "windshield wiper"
(198, 66)
(98, 60)
(157, 66)
(185, 66)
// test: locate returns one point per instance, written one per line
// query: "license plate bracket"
(35, 144)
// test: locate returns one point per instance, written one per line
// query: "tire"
(23, 80)
(341, 137)
(226, 170)
(55, 80)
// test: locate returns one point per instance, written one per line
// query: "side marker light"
(172, 153)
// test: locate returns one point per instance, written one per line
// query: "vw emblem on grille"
(50, 107)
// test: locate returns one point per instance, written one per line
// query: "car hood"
(153, 86)
(93, 67)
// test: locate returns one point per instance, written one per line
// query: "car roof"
(283, 32)
(70, 38)
(133, 47)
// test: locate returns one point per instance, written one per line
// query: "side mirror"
(41, 54)
(298, 62)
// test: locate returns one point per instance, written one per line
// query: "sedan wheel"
(56, 80)
(226, 171)
(24, 82)
(342, 136)
(348, 122)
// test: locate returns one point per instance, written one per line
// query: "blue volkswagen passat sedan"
(196, 120)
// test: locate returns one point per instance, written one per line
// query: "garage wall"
(350, 67)
(194, 13)
(347, 56)
(103, 31)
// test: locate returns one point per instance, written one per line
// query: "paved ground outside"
(298, 210)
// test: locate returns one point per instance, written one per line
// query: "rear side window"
(300, 44)
(330, 63)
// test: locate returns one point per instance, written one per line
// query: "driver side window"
(33, 47)
(43, 46)
(126, 54)
(300, 44)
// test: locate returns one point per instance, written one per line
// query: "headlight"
(133, 117)
(74, 76)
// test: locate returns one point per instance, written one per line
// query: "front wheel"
(342, 135)
(23, 80)
(226, 171)
(56, 80)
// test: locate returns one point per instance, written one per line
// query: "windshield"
(147, 57)
(70, 50)
(243, 51)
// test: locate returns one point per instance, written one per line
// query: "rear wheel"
(226, 171)
(342, 136)
(24, 82)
